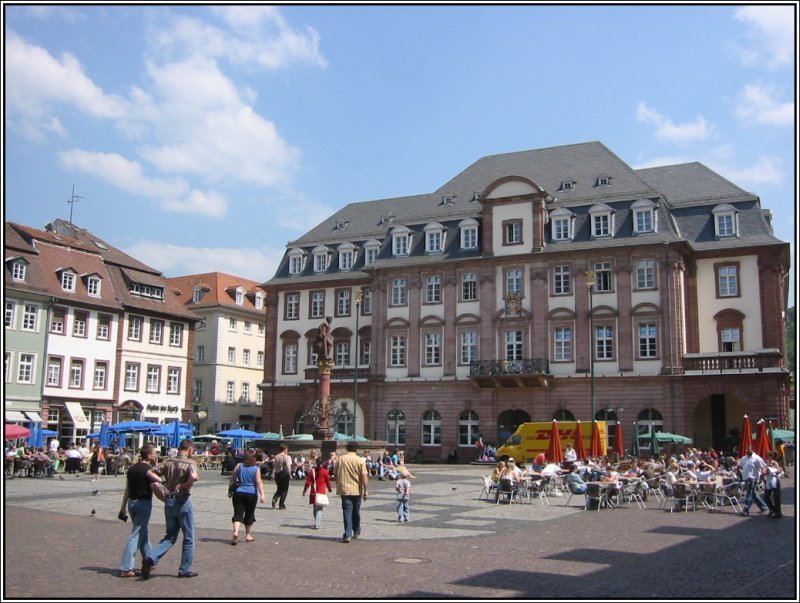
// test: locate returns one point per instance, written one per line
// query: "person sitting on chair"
(574, 481)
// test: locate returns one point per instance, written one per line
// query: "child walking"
(403, 489)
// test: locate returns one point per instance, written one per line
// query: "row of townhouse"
(91, 334)
(552, 283)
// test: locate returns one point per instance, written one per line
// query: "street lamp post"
(590, 283)
(357, 298)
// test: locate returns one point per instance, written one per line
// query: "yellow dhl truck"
(530, 439)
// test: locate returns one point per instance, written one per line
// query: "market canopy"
(666, 438)
(12, 431)
(783, 434)
(134, 426)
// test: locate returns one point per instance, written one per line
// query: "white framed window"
(469, 233)
(175, 334)
(19, 270)
(513, 345)
(397, 346)
(103, 327)
(156, 331)
(320, 261)
(728, 281)
(197, 294)
(230, 392)
(431, 428)
(174, 380)
(58, 318)
(9, 316)
(514, 281)
(290, 358)
(54, 372)
(292, 308)
(25, 368)
(100, 375)
(68, 281)
(245, 392)
(201, 353)
(647, 340)
(603, 281)
(731, 339)
(562, 344)
(135, 327)
(567, 185)
(603, 180)
(30, 314)
(131, 376)
(469, 286)
(341, 353)
(317, 304)
(561, 280)
(93, 286)
(153, 379)
(400, 241)
(366, 302)
(246, 357)
(646, 274)
(248, 326)
(76, 374)
(602, 220)
(396, 427)
(7, 367)
(725, 220)
(604, 342)
(433, 349)
(259, 397)
(468, 432)
(79, 321)
(239, 297)
(259, 300)
(513, 232)
(434, 238)
(262, 330)
(231, 355)
(346, 256)
(370, 255)
(260, 359)
(561, 221)
(433, 289)
(643, 220)
(232, 324)
(399, 292)
(343, 298)
(295, 261)
(468, 346)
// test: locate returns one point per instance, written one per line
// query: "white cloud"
(209, 203)
(699, 129)
(765, 170)
(759, 103)
(255, 263)
(662, 161)
(771, 33)
(38, 85)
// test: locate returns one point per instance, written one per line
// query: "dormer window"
(603, 180)
(346, 256)
(469, 233)
(568, 185)
(296, 261)
(602, 217)
(434, 238)
(197, 294)
(147, 290)
(476, 196)
(93, 286)
(561, 224)
(371, 250)
(19, 269)
(320, 258)
(239, 296)
(643, 216)
(401, 239)
(68, 281)
(341, 224)
(387, 218)
(448, 200)
(725, 221)
(259, 300)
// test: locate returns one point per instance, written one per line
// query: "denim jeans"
(351, 513)
(750, 494)
(179, 517)
(139, 512)
(318, 509)
(403, 511)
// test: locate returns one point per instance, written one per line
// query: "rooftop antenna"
(72, 200)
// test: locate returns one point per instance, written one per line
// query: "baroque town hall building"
(467, 311)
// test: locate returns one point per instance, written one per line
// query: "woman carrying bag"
(283, 474)
(245, 480)
(319, 480)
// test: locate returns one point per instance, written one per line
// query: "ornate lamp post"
(590, 283)
(358, 297)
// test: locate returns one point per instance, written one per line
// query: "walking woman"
(248, 474)
(97, 461)
(138, 502)
(319, 480)
(283, 473)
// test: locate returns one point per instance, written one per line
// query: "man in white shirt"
(751, 465)
(54, 446)
(570, 454)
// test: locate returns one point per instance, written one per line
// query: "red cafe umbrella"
(762, 445)
(746, 439)
(595, 449)
(619, 445)
(12, 431)
(554, 454)
(580, 449)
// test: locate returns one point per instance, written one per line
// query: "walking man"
(751, 465)
(352, 483)
(179, 473)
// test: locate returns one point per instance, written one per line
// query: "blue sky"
(205, 138)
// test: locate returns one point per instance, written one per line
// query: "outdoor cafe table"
(604, 498)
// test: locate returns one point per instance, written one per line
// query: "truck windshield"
(514, 440)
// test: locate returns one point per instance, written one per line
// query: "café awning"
(15, 415)
(33, 416)
(79, 419)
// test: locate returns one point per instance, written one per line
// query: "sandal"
(129, 574)
(235, 539)
(249, 539)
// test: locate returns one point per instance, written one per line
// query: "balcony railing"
(340, 374)
(734, 361)
(529, 372)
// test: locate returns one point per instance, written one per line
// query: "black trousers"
(773, 499)
(244, 507)
(283, 489)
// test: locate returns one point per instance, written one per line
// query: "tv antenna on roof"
(72, 200)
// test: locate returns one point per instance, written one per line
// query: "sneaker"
(356, 535)
(187, 575)
(745, 513)
(147, 565)
(345, 540)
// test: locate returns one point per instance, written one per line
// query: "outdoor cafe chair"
(595, 493)
(507, 489)
(487, 488)
(653, 488)
(707, 495)
(538, 487)
(632, 492)
(729, 494)
(683, 493)
(572, 493)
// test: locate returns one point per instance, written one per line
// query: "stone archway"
(717, 421)
(507, 423)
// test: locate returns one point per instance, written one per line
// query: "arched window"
(396, 427)
(468, 432)
(431, 428)
(345, 423)
(300, 422)
(562, 414)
